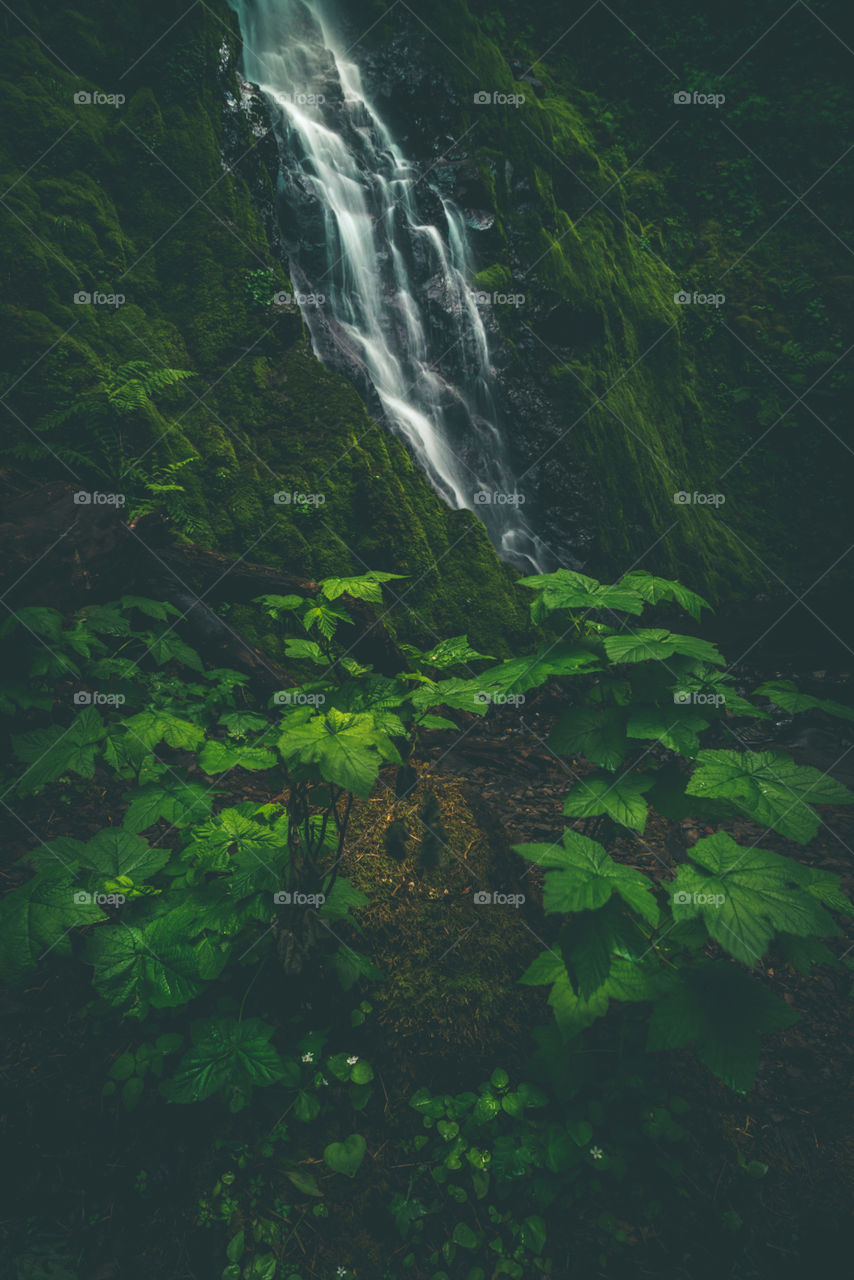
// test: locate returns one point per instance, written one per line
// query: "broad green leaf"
(170, 647)
(598, 735)
(676, 728)
(573, 1013)
(241, 723)
(51, 752)
(347, 749)
(37, 918)
(179, 803)
(309, 650)
(785, 695)
(343, 898)
(451, 653)
(620, 798)
(365, 587)
(221, 757)
(345, 1157)
(349, 966)
(744, 896)
(769, 787)
(518, 675)
(566, 589)
(226, 1055)
(151, 608)
(581, 877)
(304, 1182)
(723, 1011)
(152, 727)
(653, 643)
(137, 967)
(116, 852)
(547, 967)
(654, 590)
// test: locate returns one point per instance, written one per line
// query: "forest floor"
(112, 1196)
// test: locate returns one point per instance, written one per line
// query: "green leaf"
(151, 608)
(547, 967)
(234, 1248)
(675, 728)
(306, 650)
(56, 750)
(304, 1182)
(179, 803)
(653, 643)
(620, 798)
(116, 852)
(347, 748)
(345, 1157)
(748, 896)
(37, 918)
(769, 787)
(566, 589)
(365, 587)
(654, 590)
(226, 1055)
(123, 1067)
(152, 727)
(723, 1011)
(581, 877)
(221, 757)
(137, 967)
(785, 695)
(343, 898)
(240, 723)
(451, 653)
(464, 1236)
(169, 646)
(598, 735)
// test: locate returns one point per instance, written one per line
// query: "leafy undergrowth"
(300, 992)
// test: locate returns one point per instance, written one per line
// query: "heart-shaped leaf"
(345, 1157)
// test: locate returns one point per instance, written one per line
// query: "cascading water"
(383, 291)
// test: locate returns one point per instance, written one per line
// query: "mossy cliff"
(166, 201)
(599, 198)
(597, 360)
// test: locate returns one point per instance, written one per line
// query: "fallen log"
(59, 551)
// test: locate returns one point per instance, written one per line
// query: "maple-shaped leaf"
(581, 877)
(769, 788)
(723, 1011)
(745, 896)
(621, 798)
(36, 919)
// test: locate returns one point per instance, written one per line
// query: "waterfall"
(383, 287)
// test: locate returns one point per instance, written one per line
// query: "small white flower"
(342, 1271)
(308, 1057)
(597, 1153)
(323, 1080)
(351, 1062)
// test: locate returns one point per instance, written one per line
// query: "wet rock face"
(422, 107)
